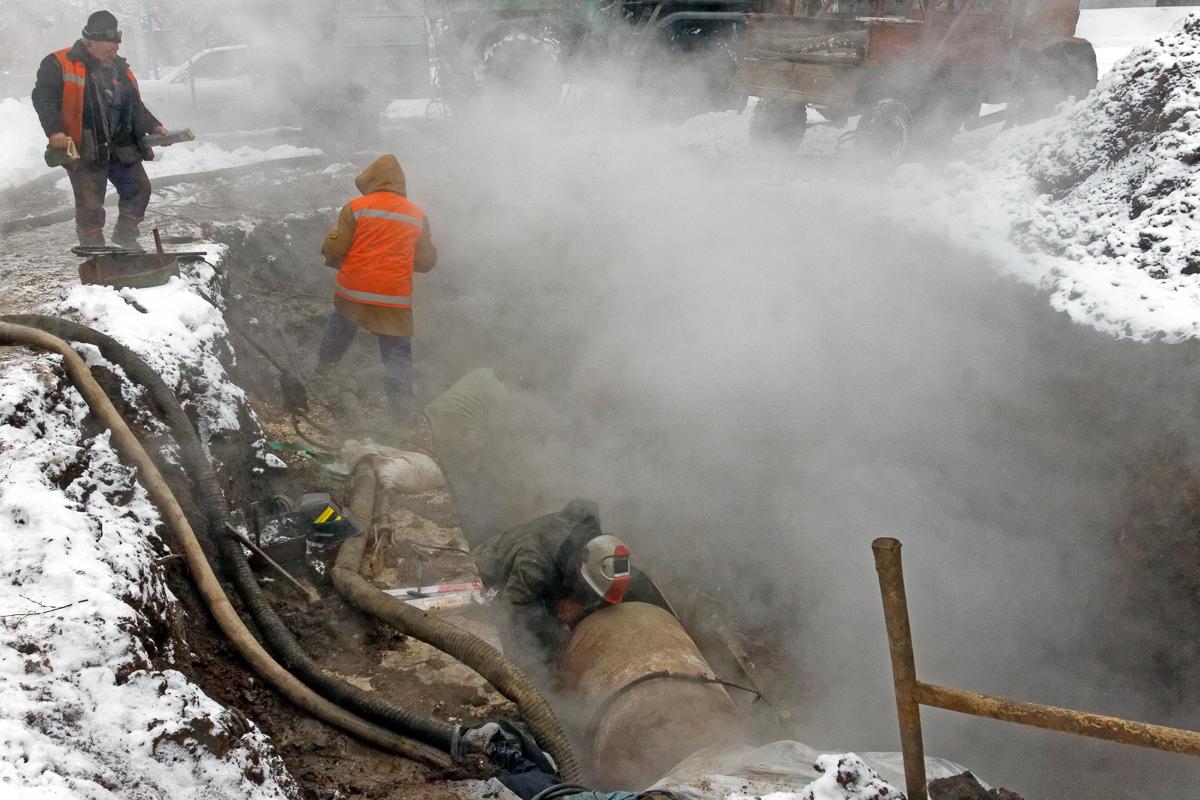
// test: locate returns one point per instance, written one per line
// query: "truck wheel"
(1050, 78)
(523, 63)
(884, 133)
(778, 122)
(695, 73)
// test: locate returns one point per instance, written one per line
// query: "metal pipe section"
(636, 671)
(447, 637)
(207, 584)
(1064, 720)
(904, 671)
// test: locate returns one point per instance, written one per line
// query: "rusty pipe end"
(886, 545)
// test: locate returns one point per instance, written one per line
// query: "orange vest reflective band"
(378, 269)
(74, 75)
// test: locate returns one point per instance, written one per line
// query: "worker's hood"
(584, 518)
(384, 175)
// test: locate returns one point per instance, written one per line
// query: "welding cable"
(278, 638)
(560, 790)
(442, 634)
(173, 516)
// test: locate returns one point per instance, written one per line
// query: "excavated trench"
(1097, 434)
(1124, 426)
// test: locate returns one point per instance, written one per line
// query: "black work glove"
(508, 746)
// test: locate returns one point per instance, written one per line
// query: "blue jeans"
(396, 352)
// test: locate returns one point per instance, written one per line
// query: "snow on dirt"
(176, 330)
(83, 711)
(843, 777)
(1095, 205)
(89, 706)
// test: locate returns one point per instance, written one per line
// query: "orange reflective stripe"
(74, 79)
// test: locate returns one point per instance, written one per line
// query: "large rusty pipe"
(635, 672)
(904, 670)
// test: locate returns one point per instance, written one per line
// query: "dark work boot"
(125, 234)
(90, 239)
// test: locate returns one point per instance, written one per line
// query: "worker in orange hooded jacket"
(380, 240)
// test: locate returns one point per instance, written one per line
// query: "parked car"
(213, 86)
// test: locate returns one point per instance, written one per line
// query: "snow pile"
(843, 777)
(83, 710)
(1121, 167)
(177, 331)
(1095, 205)
(22, 143)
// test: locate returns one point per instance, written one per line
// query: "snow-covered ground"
(87, 708)
(1097, 204)
(22, 145)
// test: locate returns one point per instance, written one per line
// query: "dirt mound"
(1121, 167)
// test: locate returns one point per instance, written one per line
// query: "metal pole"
(904, 670)
(1061, 719)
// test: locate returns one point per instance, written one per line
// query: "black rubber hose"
(496, 668)
(188, 546)
(273, 630)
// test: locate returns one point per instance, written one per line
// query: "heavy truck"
(684, 52)
(914, 71)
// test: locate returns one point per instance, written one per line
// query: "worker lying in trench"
(554, 570)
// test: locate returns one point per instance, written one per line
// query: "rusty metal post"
(904, 670)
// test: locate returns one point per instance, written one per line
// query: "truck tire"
(523, 64)
(884, 133)
(778, 122)
(696, 71)
(1052, 76)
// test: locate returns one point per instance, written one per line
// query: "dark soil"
(966, 787)
(325, 762)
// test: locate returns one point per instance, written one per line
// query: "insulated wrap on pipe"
(280, 640)
(462, 645)
(20, 330)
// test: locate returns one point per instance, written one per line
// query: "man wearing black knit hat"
(89, 105)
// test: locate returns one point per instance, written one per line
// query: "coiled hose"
(276, 634)
(461, 644)
(44, 334)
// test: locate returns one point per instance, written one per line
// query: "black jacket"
(133, 120)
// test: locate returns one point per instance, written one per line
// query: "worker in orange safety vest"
(88, 103)
(380, 240)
